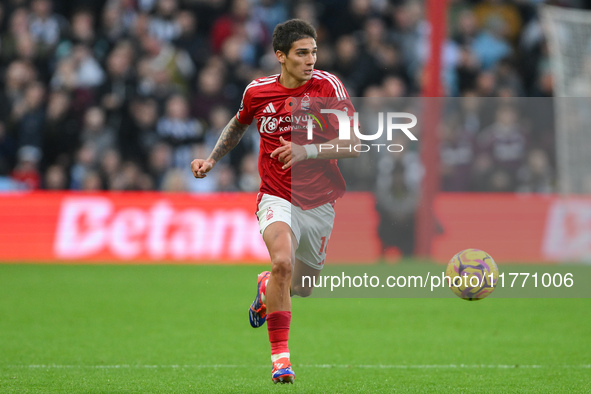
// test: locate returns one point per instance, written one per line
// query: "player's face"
(298, 64)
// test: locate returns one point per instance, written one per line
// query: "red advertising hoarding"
(222, 228)
(514, 228)
(155, 227)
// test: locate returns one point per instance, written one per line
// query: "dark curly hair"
(286, 33)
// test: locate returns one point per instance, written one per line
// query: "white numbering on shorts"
(323, 246)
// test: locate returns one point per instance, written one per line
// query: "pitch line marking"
(327, 366)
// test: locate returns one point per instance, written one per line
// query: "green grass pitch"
(171, 328)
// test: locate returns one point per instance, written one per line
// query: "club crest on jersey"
(305, 102)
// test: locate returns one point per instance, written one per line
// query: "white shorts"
(311, 227)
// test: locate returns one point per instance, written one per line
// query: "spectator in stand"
(481, 173)
(501, 181)
(7, 150)
(393, 86)
(384, 58)
(95, 131)
(61, 130)
(249, 179)
(396, 204)
(18, 75)
(138, 134)
(241, 21)
(408, 33)
(45, 26)
(190, 40)
(139, 29)
(457, 153)
(355, 12)
(505, 11)
(164, 24)
(271, 13)
(26, 50)
(79, 73)
(486, 84)
(174, 180)
(26, 171)
(28, 117)
(55, 178)
(209, 93)
(84, 33)
(467, 71)
(2, 18)
(84, 169)
(164, 69)
(353, 70)
(109, 167)
(226, 179)
(120, 84)
(505, 143)
(531, 52)
(179, 130)
(466, 28)
(130, 177)
(92, 182)
(490, 45)
(18, 27)
(159, 162)
(209, 12)
(544, 84)
(471, 114)
(308, 11)
(238, 72)
(536, 176)
(127, 11)
(508, 81)
(115, 22)
(18, 44)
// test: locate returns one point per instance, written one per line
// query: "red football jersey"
(277, 109)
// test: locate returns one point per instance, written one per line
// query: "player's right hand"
(201, 167)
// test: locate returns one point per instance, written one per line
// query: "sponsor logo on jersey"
(270, 125)
(269, 109)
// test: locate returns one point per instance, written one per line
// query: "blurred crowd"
(123, 94)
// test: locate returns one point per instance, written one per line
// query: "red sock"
(278, 326)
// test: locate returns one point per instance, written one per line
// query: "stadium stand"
(120, 95)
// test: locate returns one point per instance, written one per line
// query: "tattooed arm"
(230, 137)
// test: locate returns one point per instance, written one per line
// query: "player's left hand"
(289, 153)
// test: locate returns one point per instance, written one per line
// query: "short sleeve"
(337, 98)
(245, 114)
